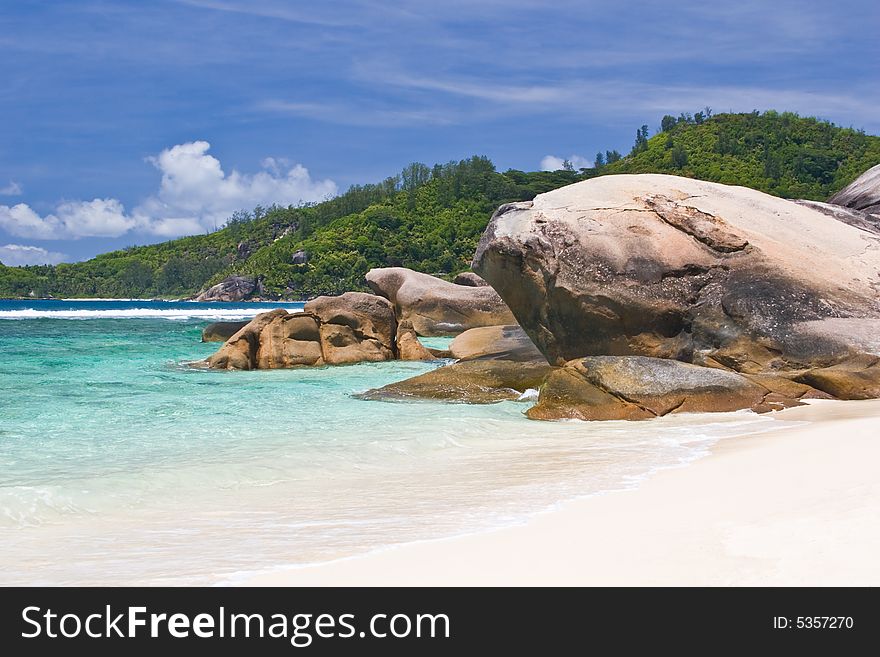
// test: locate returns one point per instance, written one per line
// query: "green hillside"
(781, 154)
(430, 219)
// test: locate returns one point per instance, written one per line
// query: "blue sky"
(131, 122)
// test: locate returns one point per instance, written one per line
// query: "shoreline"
(787, 507)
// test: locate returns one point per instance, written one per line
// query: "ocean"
(120, 464)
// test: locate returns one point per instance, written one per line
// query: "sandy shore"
(797, 506)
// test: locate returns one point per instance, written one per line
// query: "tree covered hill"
(430, 219)
(778, 153)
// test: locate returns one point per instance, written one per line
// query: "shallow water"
(120, 464)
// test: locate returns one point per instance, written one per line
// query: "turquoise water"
(121, 464)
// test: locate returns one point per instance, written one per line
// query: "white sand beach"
(795, 506)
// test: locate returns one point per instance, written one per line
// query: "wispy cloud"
(357, 114)
(478, 88)
(590, 98)
(12, 189)
(310, 14)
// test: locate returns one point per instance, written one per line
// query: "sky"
(128, 123)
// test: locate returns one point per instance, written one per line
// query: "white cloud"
(100, 217)
(195, 194)
(554, 163)
(71, 219)
(12, 189)
(16, 255)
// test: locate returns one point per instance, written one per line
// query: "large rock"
(638, 387)
(240, 351)
(861, 194)
(470, 279)
(408, 345)
(857, 378)
(222, 331)
(355, 327)
(233, 288)
(471, 382)
(351, 328)
(495, 363)
(500, 342)
(671, 267)
(438, 307)
(289, 341)
(857, 218)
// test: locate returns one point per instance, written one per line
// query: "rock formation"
(221, 331)
(350, 328)
(471, 382)
(638, 296)
(470, 279)
(862, 194)
(408, 345)
(355, 327)
(435, 306)
(499, 342)
(670, 267)
(857, 378)
(244, 250)
(240, 351)
(638, 387)
(857, 218)
(495, 363)
(232, 288)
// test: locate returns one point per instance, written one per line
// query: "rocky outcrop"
(233, 288)
(638, 387)
(862, 194)
(471, 382)
(355, 327)
(857, 378)
(221, 331)
(495, 363)
(408, 345)
(857, 218)
(299, 257)
(470, 279)
(437, 307)
(350, 328)
(289, 341)
(499, 342)
(244, 250)
(240, 351)
(668, 267)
